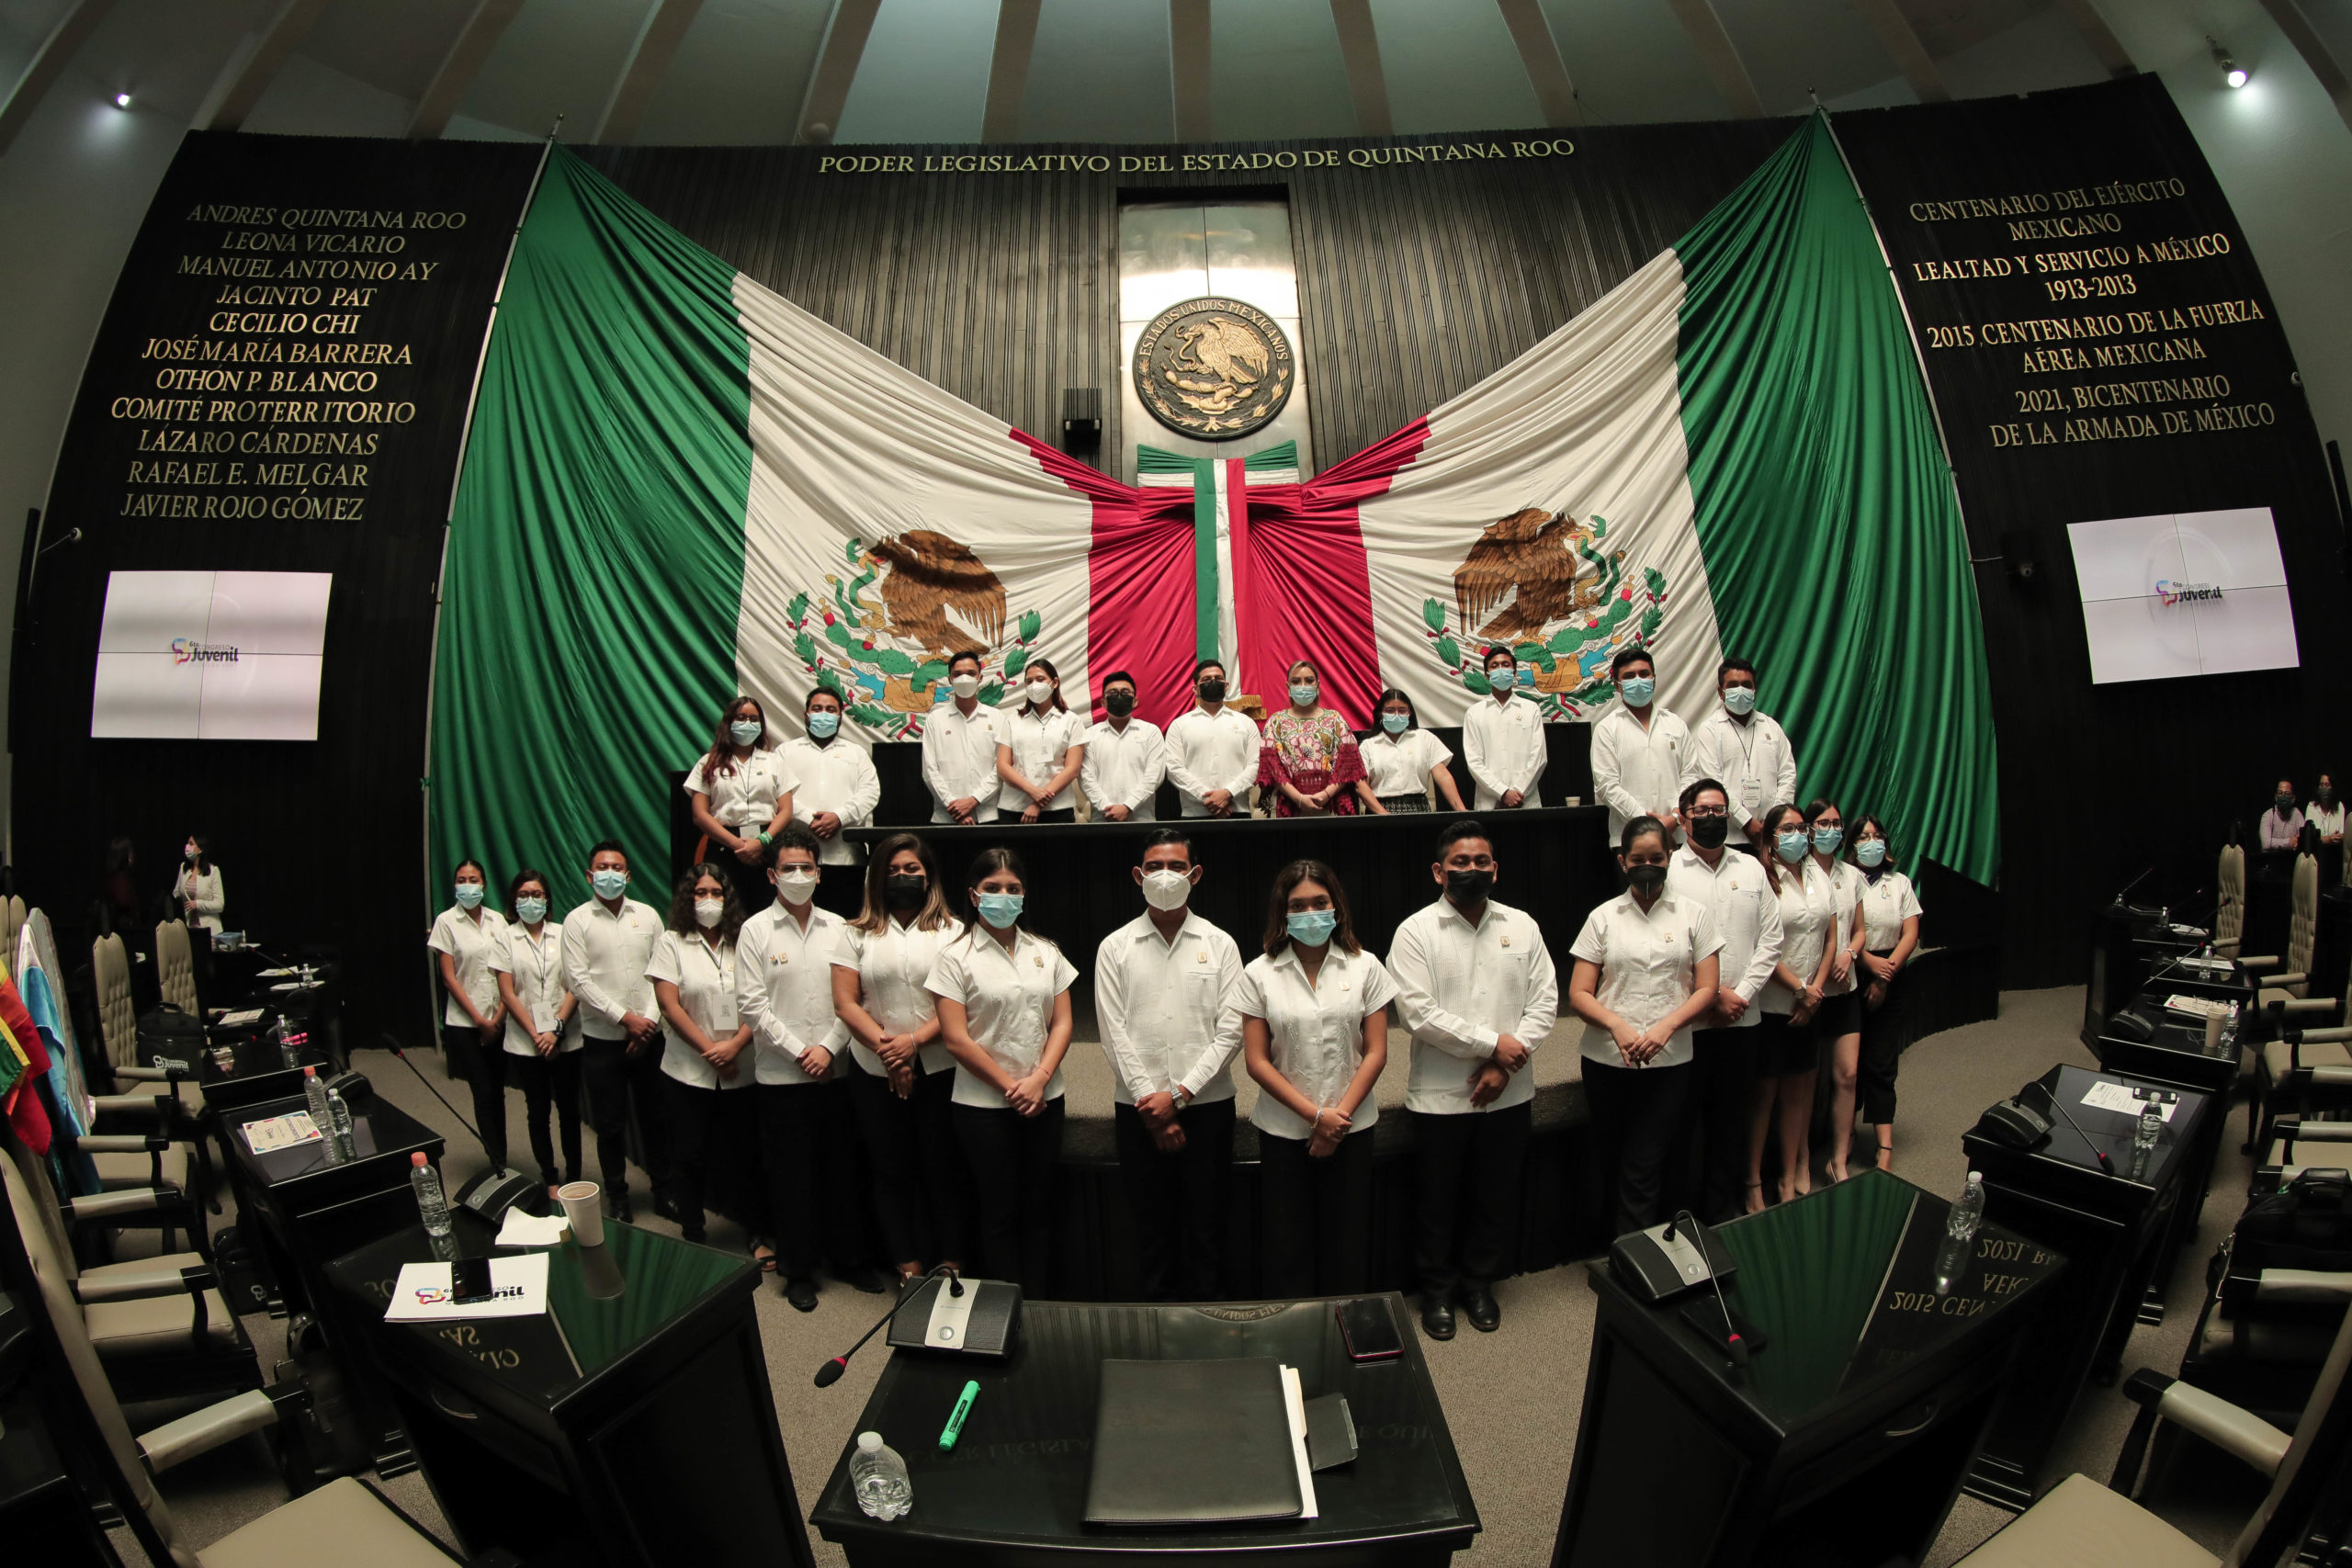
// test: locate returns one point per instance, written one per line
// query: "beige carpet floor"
(1512, 1398)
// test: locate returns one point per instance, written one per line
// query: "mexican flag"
(680, 486)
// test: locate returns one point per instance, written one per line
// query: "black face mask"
(1118, 705)
(903, 893)
(1469, 886)
(2285, 803)
(2327, 794)
(1709, 832)
(1646, 879)
(1212, 691)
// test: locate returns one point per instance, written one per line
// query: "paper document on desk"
(237, 1019)
(271, 973)
(2201, 1007)
(1294, 1405)
(518, 1285)
(530, 1230)
(279, 1132)
(2117, 1097)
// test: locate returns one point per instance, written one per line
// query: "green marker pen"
(948, 1433)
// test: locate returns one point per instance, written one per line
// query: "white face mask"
(1041, 693)
(797, 887)
(965, 685)
(1165, 889)
(708, 911)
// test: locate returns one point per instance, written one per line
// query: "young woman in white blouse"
(1041, 752)
(905, 1080)
(1890, 935)
(1646, 970)
(467, 939)
(1005, 1015)
(542, 1048)
(742, 790)
(1402, 761)
(1315, 1037)
(1790, 1058)
(198, 886)
(703, 1054)
(1839, 1023)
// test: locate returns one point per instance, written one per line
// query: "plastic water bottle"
(290, 1045)
(2151, 1126)
(431, 1206)
(345, 1142)
(1969, 1213)
(878, 1476)
(322, 1113)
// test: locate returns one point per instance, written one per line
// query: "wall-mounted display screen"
(2184, 594)
(210, 656)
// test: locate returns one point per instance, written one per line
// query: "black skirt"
(1402, 803)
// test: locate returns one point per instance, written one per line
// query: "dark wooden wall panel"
(1415, 281)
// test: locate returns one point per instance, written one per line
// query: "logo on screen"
(187, 650)
(2175, 592)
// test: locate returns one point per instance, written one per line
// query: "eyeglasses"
(1707, 811)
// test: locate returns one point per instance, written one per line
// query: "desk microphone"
(2105, 1164)
(1734, 1346)
(831, 1373)
(401, 1054)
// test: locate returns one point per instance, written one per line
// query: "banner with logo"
(685, 486)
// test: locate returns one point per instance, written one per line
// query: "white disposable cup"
(583, 1208)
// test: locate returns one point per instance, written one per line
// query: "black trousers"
(1314, 1232)
(1708, 1163)
(753, 888)
(617, 1082)
(710, 1130)
(1176, 1203)
(1014, 1160)
(1467, 1167)
(551, 1083)
(816, 1178)
(1012, 817)
(1880, 1056)
(483, 1068)
(921, 1193)
(1636, 1113)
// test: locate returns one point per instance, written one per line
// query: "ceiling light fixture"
(122, 100)
(2232, 72)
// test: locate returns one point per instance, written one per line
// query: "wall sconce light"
(2233, 72)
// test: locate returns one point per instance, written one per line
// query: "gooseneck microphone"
(400, 1051)
(1734, 1346)
(831, 1373)
(2106, 1165)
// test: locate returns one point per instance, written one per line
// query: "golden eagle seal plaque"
(1214, 369)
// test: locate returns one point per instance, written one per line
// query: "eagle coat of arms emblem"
(1214, 369)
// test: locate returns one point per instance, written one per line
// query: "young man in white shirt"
(959, 741)
(1125, 758)
(1478, 992)
(838, 788)
(606, 944)
(808, 1147)
(1502, 740)
(1164, 990)
(1746, 751)
(1746, 913)
(1165, 995)
(1213, 750)
(1637, 748)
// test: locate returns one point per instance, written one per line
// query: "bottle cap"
(417, 1157)
(309, 1072)
(869, 1442)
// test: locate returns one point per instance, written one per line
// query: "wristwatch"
(1180, 1096)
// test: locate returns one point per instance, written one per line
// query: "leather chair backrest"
(175, 966)
(2303, 922)
(64, 1314)
(33, 1171)
(12, 926)
(117, 1016)
(2314, 1458)
(2232, 876)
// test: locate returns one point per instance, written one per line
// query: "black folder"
(1192, 1443)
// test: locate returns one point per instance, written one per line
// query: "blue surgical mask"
(530, 911)
(1741, 700)
(1000, 909)
(608, 883)
(1395, 723)
(1826, 839)
(1303, 695)
(1791, 845)
(1638, 690)
(744, 731)
(1502, 678)
(822, 723)
(1872, 852)
(469, 895)
(1313, 926)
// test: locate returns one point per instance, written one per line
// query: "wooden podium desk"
(629, 1424)
(1843, 1443)
(1012, 1494)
